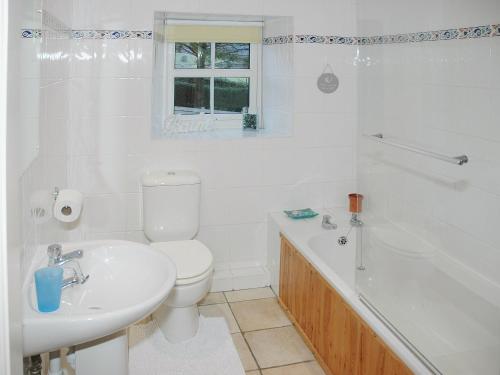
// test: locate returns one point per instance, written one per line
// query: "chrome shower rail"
(458, 160)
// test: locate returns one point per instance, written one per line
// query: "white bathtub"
(335, 263)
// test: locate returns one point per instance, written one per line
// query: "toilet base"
(178, 317)
(177, 323)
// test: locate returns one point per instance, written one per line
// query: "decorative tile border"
(31, 33)
(426, 36)
(280, 39)
(88, 34)
(111, 34)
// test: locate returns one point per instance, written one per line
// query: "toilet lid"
(191, 257)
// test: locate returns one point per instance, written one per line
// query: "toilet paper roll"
(68, 206)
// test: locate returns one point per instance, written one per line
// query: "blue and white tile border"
(280, 39)
(425, 36)
(90, 34)
(111, 34)
(31, 33)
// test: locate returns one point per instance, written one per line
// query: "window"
(215, 78)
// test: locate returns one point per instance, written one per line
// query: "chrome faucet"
(356, 221)
(327, 222)
(56, 258)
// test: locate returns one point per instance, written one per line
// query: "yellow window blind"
(207, 33)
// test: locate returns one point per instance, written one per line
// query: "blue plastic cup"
(48, 283)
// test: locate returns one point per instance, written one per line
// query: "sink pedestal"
(108, 355)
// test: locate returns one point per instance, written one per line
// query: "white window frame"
(220, 121)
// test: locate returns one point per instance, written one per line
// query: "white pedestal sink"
(127, 282)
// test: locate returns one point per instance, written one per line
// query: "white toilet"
(171, 209)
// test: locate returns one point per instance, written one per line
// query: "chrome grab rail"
(458, 160)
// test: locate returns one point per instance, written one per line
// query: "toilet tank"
(171, 205)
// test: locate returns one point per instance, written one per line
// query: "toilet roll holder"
(55, 193)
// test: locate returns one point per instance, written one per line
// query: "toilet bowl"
(171, 208)
(178, 316)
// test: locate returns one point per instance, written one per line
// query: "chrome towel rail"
(459, 160)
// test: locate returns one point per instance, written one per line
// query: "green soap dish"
(304, 213)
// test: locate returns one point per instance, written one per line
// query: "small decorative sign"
(328, 81)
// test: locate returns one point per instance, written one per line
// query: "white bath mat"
(210, 352)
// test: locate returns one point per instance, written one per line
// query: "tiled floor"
(266, 341)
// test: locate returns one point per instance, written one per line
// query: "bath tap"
(356, 221)
(327, 222)
(56, 258)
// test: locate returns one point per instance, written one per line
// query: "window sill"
(225, 134)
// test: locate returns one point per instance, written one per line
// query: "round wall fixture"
(328, 82)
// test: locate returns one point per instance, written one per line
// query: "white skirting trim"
(233, 278)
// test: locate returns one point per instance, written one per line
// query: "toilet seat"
(192, 258)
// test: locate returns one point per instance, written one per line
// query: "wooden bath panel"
(343, 343)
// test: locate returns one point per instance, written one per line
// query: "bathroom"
(114, 115)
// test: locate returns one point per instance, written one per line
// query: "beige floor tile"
(248, 294)
(244, 352)
(255, 372)
(307, 368)
(278, 347)
(212, 299)
(220, 310)
(259, 314)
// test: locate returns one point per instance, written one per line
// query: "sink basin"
(127, 282)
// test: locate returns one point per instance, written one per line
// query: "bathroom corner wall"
(110, 143)
(46, 64)
(24, 165)
(17, 154)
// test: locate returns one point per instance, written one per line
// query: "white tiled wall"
(109, 144)
(393, 17)
(441, 96)
(93, 114)
(37, 118)
(21, 140)
(452, 115)
(47, 73)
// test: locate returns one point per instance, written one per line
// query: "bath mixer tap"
(327, 222)
(356, 221)
(56, 258)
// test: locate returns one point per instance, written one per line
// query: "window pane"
(192, 55)
(231, 94)
(192, 96)
(232, 55)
